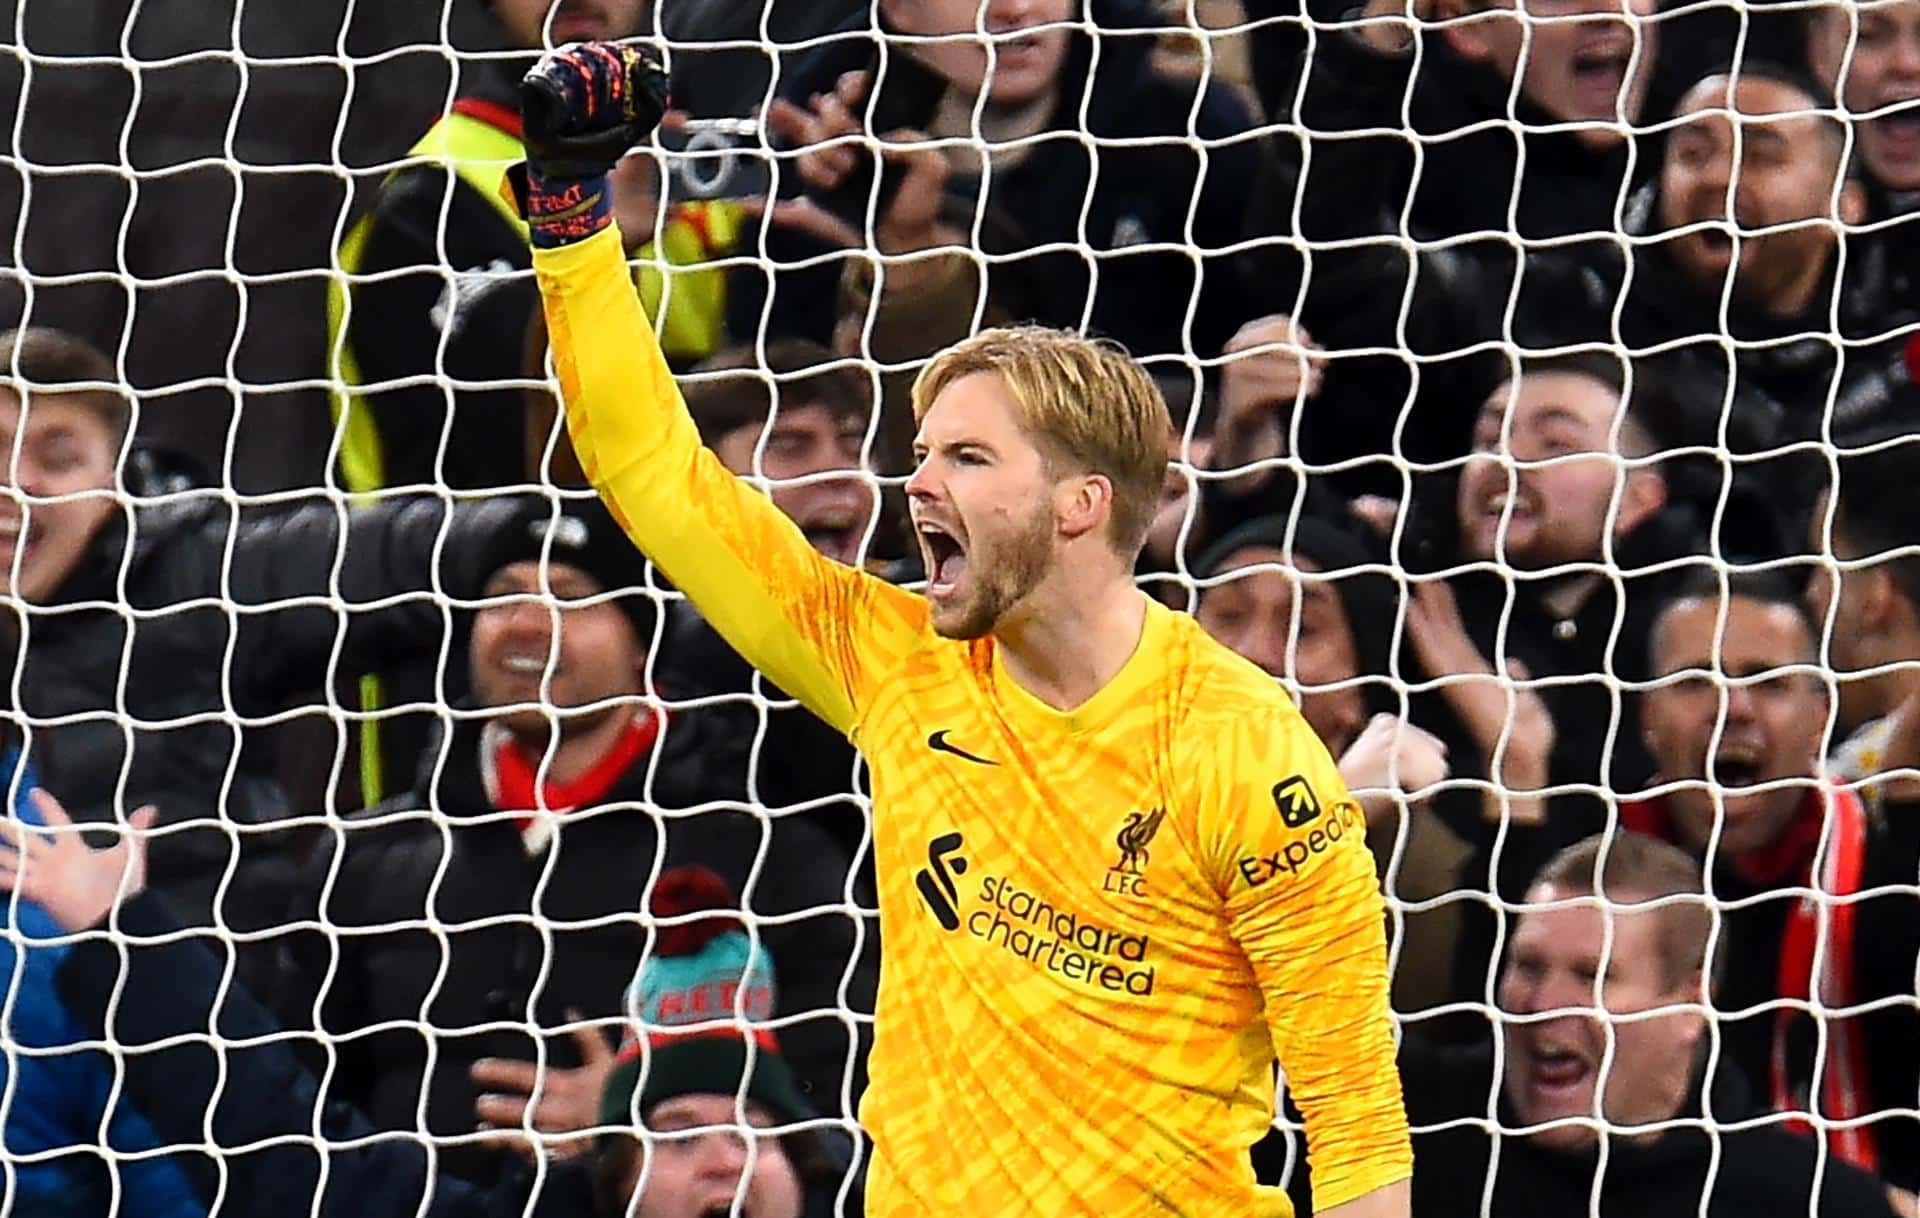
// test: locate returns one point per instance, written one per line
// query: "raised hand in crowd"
(1392, 755)
(834, 152)
(1388, 25)
(561, 1100)
(1506, 719)
(55, 868)
(1271, 363)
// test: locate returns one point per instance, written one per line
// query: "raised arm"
(821, 631)
(1288, 850)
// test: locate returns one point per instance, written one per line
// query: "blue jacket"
(55, 1096)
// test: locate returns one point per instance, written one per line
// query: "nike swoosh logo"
(938, 743)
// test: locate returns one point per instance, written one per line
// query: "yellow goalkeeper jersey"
(1101, 927)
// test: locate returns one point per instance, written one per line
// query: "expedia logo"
(1290, 858)
(1297, 803)
(935, 880)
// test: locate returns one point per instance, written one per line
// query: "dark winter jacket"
(798, 763)
(1794, 361)
(1755, 1172)
(1131, 196)
(1886, 947)
(529, 937)
(234, 1096)
(183, 623)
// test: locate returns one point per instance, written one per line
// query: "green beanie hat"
(699, 1005)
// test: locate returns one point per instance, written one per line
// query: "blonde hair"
(1087, 403)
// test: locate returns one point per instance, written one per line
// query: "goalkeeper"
(1119, 876)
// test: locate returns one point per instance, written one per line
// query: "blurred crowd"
(1546, 380)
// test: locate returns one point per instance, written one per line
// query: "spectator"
(532, 837)
(1869, 609)
(441, 285)
(797, 424)
(791, 414)
(257, 1095)
(1736, 721)
(1140, 185)
(1558, 494)
(701, 1061)
(1870, 58)
(1773, 260)
(1337, 653)
(126, 666)
(1570, 76)
(1601, 1020)
(65, 1114)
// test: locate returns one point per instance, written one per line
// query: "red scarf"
(1823, 849)
(515, 786)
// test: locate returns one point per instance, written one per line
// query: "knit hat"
(580, 533)
(699, 1007)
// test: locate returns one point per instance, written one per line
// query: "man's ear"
(1642, 494)
(1879, 600)
(1083, 503)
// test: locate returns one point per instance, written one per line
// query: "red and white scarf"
(1824, 849)
(512, 775)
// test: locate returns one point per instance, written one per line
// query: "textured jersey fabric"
(1100, 927)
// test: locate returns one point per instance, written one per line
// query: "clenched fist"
(584, 106)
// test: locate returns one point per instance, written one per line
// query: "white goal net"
(1544, 379)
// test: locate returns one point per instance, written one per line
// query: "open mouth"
(1602, 69)
(837, 539)
(1016, 46)
(1559, 1069)
(946, 558)
(1715, 240)
(572, 23)
(1901, 128)
(14, 540)
(1496, 508)
(1736, 769)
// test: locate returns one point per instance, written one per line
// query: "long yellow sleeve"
(823, 632)
(1288, 848)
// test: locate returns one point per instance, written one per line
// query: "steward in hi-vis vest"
(433, 348)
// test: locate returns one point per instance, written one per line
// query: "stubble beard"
(1005, 574)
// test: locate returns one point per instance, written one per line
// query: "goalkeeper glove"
(581, 109)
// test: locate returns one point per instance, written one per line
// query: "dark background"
(171, 191)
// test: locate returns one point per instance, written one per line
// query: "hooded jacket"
(531, 933)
